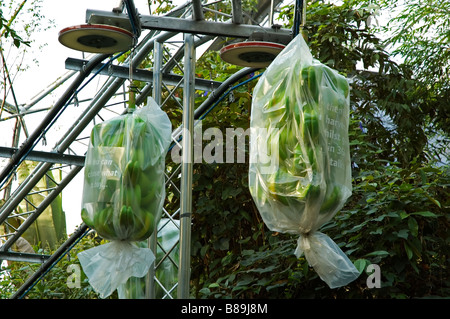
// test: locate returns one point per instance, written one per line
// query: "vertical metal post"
(184, 270)
(152, 242)
(157, 67)
(236, 11)
(299, 17)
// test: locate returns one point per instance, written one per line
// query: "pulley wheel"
(96, 38)
(255, 54)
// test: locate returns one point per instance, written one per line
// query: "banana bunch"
(124, 189)
(299, 121)
(305, 115)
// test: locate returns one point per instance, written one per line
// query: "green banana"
(311, 83)
(331, 201)
(103, 223)
(87, 218)
(277, 106)
(126, 222)
(145, 226)
(310, 125)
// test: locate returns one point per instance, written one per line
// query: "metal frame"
(197, 27)
(140, 74)
(187, 19)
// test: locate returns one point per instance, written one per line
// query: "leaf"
(205, 291)
(408, 250)
(436, 202)
(378, 231)
(413, 226)
(222, 244)
(230, 192)
(246, 215)
(425, 214)
(361, 264)
(270, 268)
(381, 253)
(403, 233)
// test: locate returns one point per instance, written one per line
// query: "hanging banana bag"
(123, 194)
(300, 169)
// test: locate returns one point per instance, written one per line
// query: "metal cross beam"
(197, 27)
(123, 72)
(26, 257)
(50, 157)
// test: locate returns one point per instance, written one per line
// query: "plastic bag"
(123, 194)
(167, 271)
(300, 169)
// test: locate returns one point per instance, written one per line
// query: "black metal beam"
(25, 257)
(123, 72)
(50, 157)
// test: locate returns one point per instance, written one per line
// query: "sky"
(51, 58)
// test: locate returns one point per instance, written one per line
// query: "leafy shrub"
(59, 282)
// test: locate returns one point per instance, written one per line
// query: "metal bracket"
(113, 18)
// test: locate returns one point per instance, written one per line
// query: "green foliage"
(58, 283)
(397, 218)
(417, 34)
(389, 101)
(7, 31)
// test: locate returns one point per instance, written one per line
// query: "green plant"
(59, 283)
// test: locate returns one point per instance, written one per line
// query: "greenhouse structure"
(117, 41)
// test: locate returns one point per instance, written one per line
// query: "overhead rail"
(142, 75)
(197, 27)
(40, 156)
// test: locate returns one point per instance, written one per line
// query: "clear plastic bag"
(300, 169)
(167, 271)
(123, 194)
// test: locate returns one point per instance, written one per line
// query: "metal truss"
(171, 40)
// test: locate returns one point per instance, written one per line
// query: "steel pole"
(299, 17)
(157, 76)
(184, 269)
(152, 242)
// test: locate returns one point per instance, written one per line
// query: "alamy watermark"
(374, 276)
(74, 279)
(230, 146)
